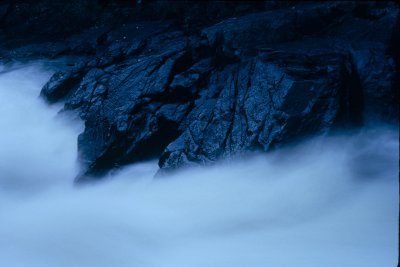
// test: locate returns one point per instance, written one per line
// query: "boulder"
(251, 81)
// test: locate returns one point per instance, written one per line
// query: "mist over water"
(331, 201)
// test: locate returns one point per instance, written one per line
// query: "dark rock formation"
(197, 86)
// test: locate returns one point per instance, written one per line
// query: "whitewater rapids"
(331, 201)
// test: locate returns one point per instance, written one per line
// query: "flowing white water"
(328, 202)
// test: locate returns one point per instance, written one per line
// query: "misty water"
(330, 201)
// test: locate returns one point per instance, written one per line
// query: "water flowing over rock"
(191, 89)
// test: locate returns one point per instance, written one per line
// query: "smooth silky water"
(330, 201)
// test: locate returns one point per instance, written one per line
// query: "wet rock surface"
(191, 90)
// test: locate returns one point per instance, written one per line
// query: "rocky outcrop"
(195, 91)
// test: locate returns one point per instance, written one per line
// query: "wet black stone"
(172, 82)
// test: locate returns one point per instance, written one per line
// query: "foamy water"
(327, 202)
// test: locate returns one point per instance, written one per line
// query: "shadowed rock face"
(191, 90)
